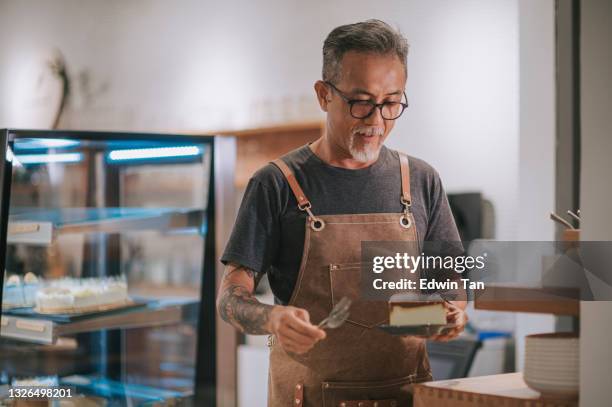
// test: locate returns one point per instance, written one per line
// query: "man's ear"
(323, 94)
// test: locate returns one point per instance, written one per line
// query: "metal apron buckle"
(316, 224)
(405, 220)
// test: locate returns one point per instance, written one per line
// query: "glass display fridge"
(109, 243)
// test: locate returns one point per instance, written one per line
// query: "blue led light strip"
(49, 158)
(149, 153)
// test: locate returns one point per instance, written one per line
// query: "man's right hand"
(292, 328)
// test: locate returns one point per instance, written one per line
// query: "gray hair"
(371, 36)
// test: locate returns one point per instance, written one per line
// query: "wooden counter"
(506, 390)
(558, 301)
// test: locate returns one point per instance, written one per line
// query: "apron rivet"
(360, 404)
(326, 385)
(376, 404)
(405, 221)
(298, 386)
(316, 224)
(297, 401)
(342, 404)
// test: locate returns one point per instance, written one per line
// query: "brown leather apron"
(357, 364)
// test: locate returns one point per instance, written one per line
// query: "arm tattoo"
(239, 307)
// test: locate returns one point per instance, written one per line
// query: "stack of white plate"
(552, 363)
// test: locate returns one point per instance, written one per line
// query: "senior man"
(303, 218)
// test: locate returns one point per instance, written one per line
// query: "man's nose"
(375, 118)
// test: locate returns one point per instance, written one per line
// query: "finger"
(298, 337)
(447, 335)
(454, 317)
(302, 314)
(306, 328)
(453, 333)
(449, 305)
(454, 313)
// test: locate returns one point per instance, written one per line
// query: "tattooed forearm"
(238, 306)
(241, 309)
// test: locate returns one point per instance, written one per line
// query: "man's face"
(364, 76)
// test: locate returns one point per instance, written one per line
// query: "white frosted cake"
(70, 295)
(19, 292)
(411, 313)
(41, 381)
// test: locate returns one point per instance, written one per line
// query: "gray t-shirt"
(268, 236)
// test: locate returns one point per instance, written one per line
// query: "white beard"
(366, 153)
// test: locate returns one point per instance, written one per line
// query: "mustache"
(368, 131)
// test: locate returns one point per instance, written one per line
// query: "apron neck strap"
(303, 202)
(405, 173)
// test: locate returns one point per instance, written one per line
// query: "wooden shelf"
(287, 128)
(33, 225)
(46, 329)
(257, 147)
(557, 301)
(508, 390)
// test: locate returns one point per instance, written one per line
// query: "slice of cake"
(412, 313)
(70, 295)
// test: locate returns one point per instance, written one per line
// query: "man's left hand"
(456, 316)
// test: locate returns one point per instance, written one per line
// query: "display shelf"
(47, 329)
(111, 389)
(88, 390)
(155, 208)
(507, 390)
(39, 226)
(513, 298)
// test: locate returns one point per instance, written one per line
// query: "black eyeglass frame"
(351, 102)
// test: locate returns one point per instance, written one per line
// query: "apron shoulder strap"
(303, 202)
(405, 173)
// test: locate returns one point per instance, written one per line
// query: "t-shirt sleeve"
(442, 238)
(254, 240)
(441, 223)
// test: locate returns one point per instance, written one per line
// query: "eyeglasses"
(362, 109)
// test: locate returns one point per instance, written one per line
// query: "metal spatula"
(338, 314)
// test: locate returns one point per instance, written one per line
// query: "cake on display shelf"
(74, 295)
(19, 292)
(64, 295)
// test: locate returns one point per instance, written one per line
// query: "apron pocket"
(394, 392)
(345, 280)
